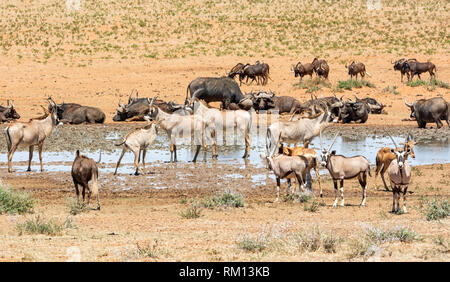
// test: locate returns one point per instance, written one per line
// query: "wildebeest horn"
(150, 102)
(334, 140)
(406, 103)
(395, 144)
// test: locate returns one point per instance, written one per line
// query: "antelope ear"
(392, 151)
(333, 152)
(77, 153)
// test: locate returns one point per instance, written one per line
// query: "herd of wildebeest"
(306, 121)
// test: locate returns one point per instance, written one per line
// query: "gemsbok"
(399, 173)
(176, 127)
(341, 168)
(30, 134)
(385, 157)
(286, 167)
(137, 141)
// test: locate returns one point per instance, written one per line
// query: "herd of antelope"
(196, 118)
(285, 162)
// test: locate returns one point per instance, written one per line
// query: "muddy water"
(432, 146)
(230, 170)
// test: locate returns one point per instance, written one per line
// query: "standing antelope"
(30, 134)
(385, 157)
(137, 141)
(399, 173)
(85, 169)
(341, 168)
(302, 130)
(215, 120)
(286, 167)
(310, 155)
(177, 126)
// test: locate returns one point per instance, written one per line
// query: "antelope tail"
(99, 157)
(8, 139)
(368, 170)
(94, 188)
(123, 142)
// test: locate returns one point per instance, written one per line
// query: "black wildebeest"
(73, 113)
(258, 71)
(137, 108)
(214, 89)
(303, 69)
(356, 68)
(416, 68)
(8, 113)
(399, 66)
(85, 169)
(430, 110)
(321, 68)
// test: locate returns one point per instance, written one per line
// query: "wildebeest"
(30, 134)
(214, 89)
(137, 141)
(73, 113)
(258, 71)
(417, 68)
(321, 68)
(137, 108)
(356, 68)
(430, 110)
(399, 173)
(341, 168)
(399, 65)
(374, 106)
(8, 113)
(385, 157)
(85, 169)
(303, 69)
(236, 70)
(332, 103)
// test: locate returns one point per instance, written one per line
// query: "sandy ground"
(97, 56)
(140, 216)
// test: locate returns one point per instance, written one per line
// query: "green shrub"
(12, 202)
(37, 225)
(75, 207)
(352, 83)
(391, 89)
(313, 207)
(402, 234)
(250, 244)
(225, 199)
(435, 210)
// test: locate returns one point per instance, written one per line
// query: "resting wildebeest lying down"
(430, 110)
(75, 113)
(283, 104)
(8, 113)
(214, 89)
(332, 103)
(137, 109)
(85, 169)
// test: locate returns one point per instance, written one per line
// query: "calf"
(84, 170)
(136, 142)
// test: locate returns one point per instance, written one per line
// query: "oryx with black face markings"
(399, 173)
(341, 168)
